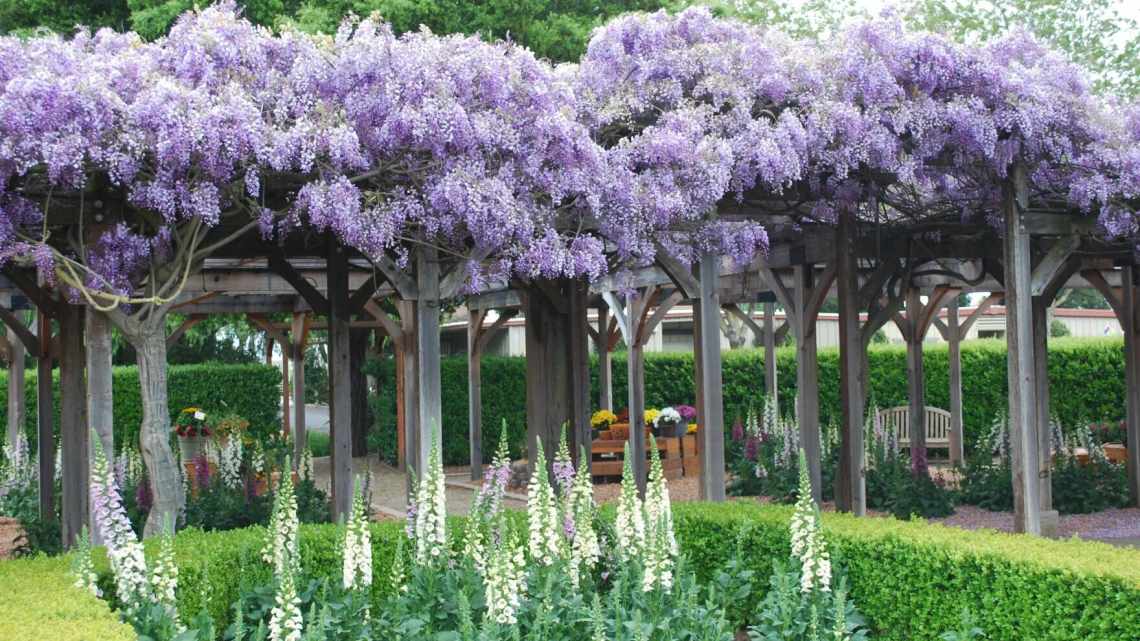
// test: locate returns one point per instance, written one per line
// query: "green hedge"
(912, 580)
(1087, 378)
(251, 390)
(38, 601)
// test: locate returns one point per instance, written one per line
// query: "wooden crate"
(689, 445)
(692, 465)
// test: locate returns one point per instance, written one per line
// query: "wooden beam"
(387, 322)
(681, 276)
(27, 338)
(620, 315)
(363, 294)
(405, 286)
(663, 307)
(785, 297)
(979, 311)
(487, 333)
(771, 371)
(1019, 338)
(1096, 279)
(40, 297)
(312, 296)
(1052, 263)
(820, 291)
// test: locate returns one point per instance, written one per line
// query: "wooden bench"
(937, 425)
(609, 457)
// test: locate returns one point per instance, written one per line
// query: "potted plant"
(651, 420)
(192, 428)
(229, 426)
(601, 421)
(669, 423)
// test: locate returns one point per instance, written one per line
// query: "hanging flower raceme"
(281, 549)
(505, 581)
(83, 567)
(305, 465)
(125, 553)
(630, 522)
(661, 542)
(357, 545)
(229, 463)
(546, 542)
(584, 547)
(430, 512)
(808, 545)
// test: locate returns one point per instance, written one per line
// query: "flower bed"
(911, 580)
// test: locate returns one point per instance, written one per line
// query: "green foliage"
(1087, 378)
(987, 484)
(1058, 329)
(1020, 587)
(1091, 487)
(38, 601)
(250, 390)
(912, 580)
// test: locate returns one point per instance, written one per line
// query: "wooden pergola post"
(1019, 338)
(73, 428)
(579, 432)
(1130, 322)
(954, 357)
(605, 360)
(807, 377)
(17, 356)
(916, 380)
(45, 417)
(340, 393)
(100, 392)
(475, 391)
(851, 492)
(771, 370)
(712, 394)
(430, 403)
(300, 337)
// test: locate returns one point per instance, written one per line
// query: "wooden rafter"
(312, 296)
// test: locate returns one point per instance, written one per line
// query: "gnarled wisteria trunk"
(149, 341)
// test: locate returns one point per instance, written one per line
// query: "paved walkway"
(389, 496)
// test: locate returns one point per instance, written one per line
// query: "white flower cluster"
(17, 468)
(544, 543)
(505, 582)
(285, 622)
(584, 548)
(257, 459)
(430, 527)
(165, 578)
(129, 466)
(808, 545)
(358, 546)
(283, 553)
(280, 549)
(305, 465)
(83, 567)
(789, 434)
(125, 553)
(229, 463)
(667, 416)
(629, 525)
(661, 542)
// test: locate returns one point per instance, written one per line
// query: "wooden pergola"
(902, 271)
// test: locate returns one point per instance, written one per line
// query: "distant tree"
(1081, 298)
(1058, 328)
(1093, 33)
(22, 17)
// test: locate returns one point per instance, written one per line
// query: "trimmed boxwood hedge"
(911, 579)
(251, 390)
(38, 601)
(1087, 377)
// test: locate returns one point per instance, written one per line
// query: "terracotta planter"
(1116, 452)
(673, 430)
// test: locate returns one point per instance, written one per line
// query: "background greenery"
(1086, 375)
(252, 391)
